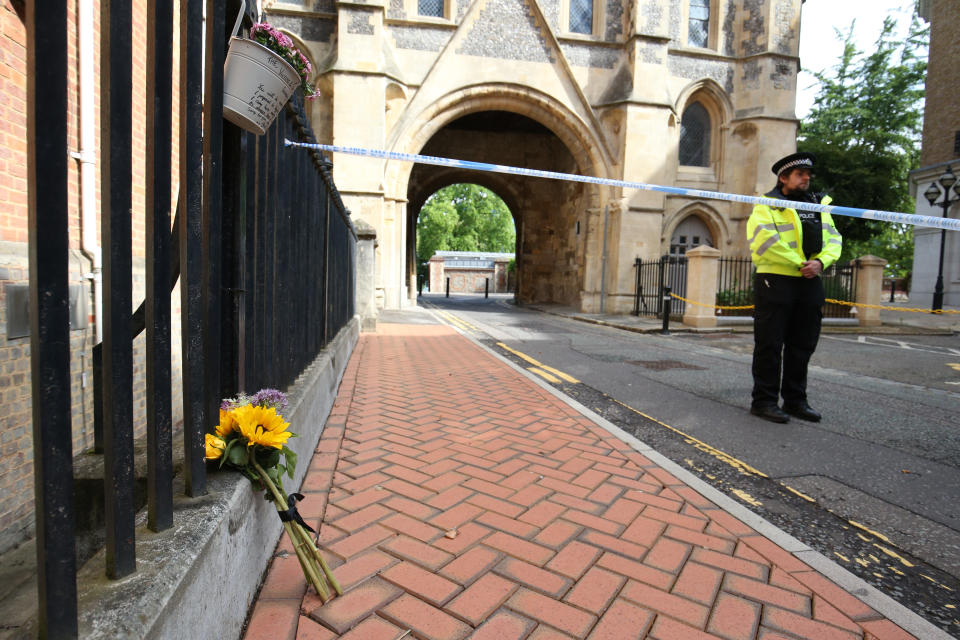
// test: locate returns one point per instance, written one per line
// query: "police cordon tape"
(949, 224)
(831, 300)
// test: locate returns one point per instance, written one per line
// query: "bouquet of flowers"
(280, 43)
(251, 438)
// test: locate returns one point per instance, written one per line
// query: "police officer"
(790, 249)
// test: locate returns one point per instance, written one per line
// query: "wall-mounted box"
(18, 309)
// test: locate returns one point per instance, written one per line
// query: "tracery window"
(695, 136)
(698, 29)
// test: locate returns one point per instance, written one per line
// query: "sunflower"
(215, 446)
(227, 423)
(262, 425)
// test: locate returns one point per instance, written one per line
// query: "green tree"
(464, 217)
(865, 128)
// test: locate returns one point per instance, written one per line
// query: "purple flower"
(270, 398)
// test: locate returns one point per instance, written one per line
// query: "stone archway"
(513, 126)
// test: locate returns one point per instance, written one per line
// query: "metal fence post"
(116, 138)
(667, 304)
(638, 291)
(191, 193)
(448, 287)
(157, 311)
(486, 288)
(48, 229)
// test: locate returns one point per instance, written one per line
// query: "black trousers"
(786, 327)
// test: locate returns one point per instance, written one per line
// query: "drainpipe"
(88, 162)
(603, 261)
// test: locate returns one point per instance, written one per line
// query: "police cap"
(792, 161)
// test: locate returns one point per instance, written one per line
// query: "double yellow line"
(547, 373)
(457, 322)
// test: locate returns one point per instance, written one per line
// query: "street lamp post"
(932, 194)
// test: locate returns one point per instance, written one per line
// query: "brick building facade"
(940, 149)
(470, 272)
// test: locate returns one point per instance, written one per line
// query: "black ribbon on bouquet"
(291, 514)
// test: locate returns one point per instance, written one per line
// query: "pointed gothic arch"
(707, 106)
(712, 219)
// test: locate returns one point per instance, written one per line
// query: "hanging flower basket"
(257, 82)
(260, 74)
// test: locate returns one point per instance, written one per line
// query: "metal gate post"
(667, 304)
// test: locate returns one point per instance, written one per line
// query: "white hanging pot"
(257, 82)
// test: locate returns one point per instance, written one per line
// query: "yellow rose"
(215, 446)
(227, 423)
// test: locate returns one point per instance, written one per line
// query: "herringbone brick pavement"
(457, 499)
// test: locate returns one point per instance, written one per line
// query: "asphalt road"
(875, 485)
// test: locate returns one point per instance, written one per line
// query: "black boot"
(803, 411)
(771, 412)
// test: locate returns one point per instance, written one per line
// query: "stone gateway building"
(691, 93)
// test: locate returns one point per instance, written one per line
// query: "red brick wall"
(942, 113)
(16, 445)
(13, 126)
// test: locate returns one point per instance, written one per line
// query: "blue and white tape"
(950, 224)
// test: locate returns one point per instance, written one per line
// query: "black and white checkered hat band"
(799, 162)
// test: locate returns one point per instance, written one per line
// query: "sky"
(820, 48)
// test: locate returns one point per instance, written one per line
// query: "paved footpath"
(459, 499)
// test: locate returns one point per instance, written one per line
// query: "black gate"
(262, 247)
(651, 278)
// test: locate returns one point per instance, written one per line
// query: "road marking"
(870, 531)
(739, 465)
(802, 495)
(896, 556)
(537, 363)
(875, 341)
(746, 497)
(463, 324)
(954, 365)
(543, 374)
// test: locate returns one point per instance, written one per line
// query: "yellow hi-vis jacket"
(776, 240)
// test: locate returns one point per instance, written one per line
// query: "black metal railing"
(294, 258)
(840, 283)
(734, 286)
(651, 277)
(262, 246)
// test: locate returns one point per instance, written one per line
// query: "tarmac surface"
(457, 497)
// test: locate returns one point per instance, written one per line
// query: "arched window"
(581, 16)
(690, 233)
(695, 136)
(698, 28)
